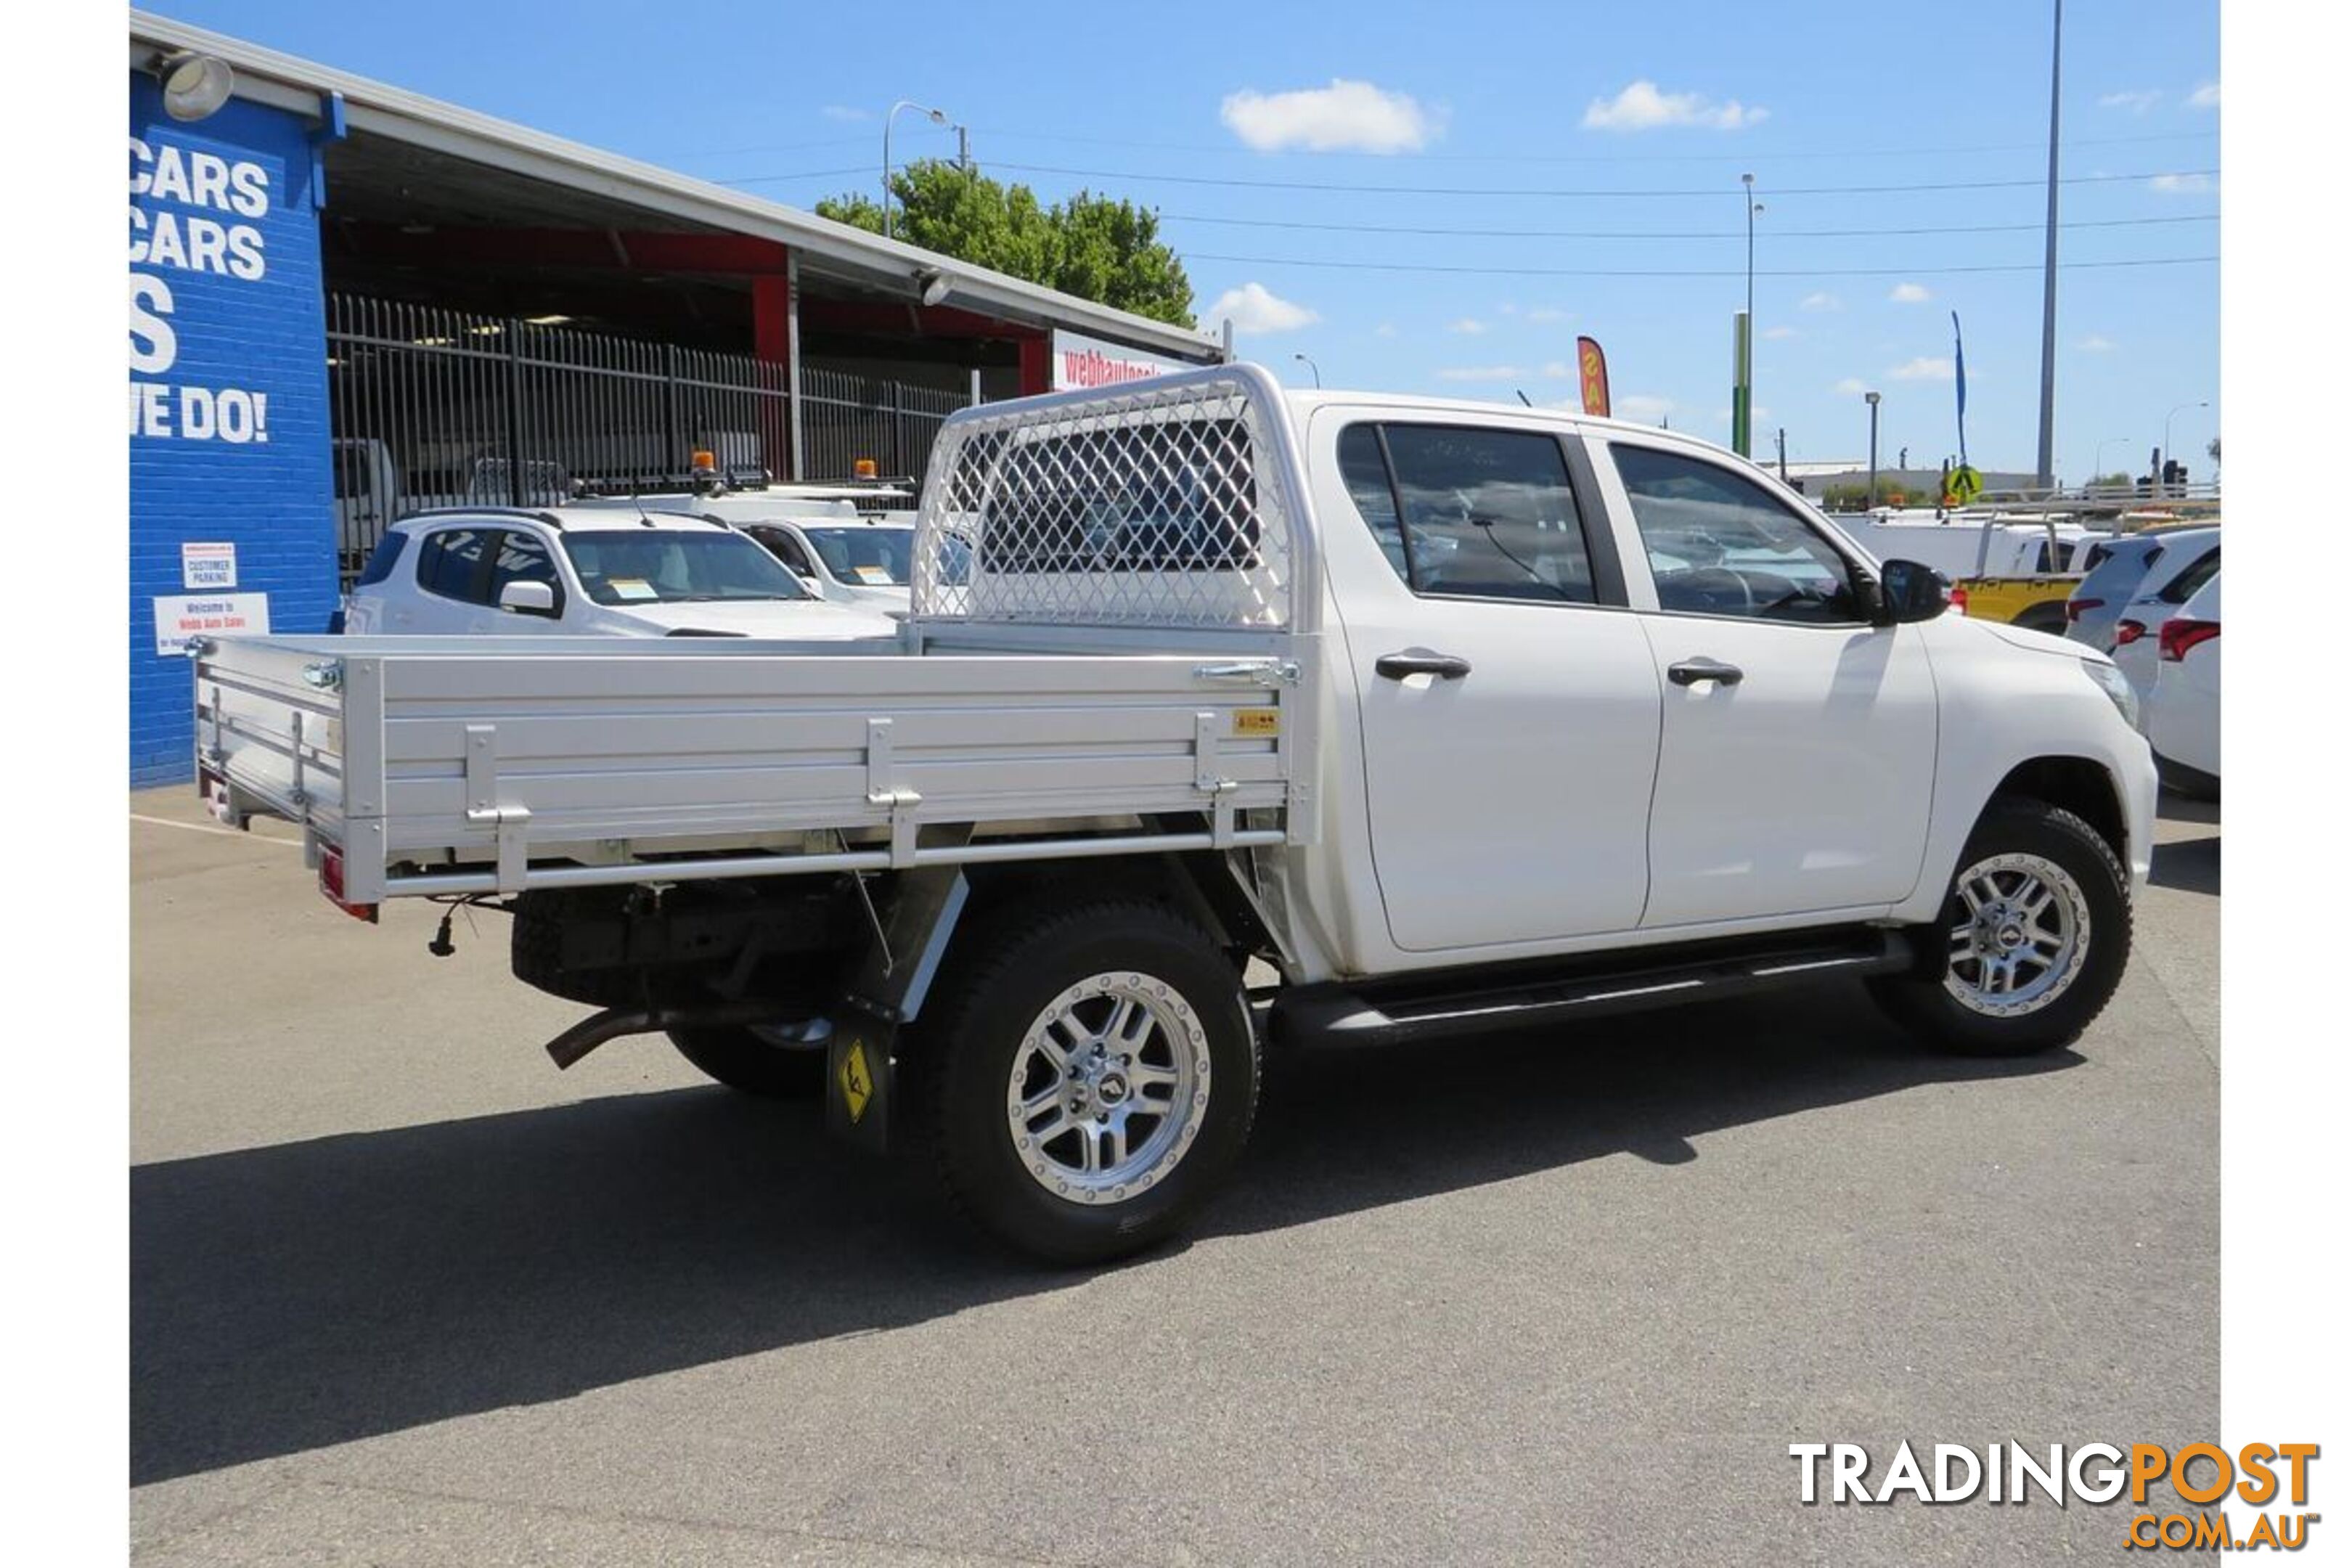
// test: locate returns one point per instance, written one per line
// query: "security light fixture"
(935, 283)
(194, 85)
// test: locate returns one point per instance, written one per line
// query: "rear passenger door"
(1508, 705)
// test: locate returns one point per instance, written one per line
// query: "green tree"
(2213, 450)
(1093, 247)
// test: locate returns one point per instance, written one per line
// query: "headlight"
(2110, 680)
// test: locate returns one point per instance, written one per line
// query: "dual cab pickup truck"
(1458, 717)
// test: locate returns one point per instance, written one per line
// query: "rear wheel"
(2037, 927)
(1089, 1078)
(754, 1061)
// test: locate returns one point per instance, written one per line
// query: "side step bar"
(1523, 996)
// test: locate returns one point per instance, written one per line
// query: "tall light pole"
(1870, 496)
(1747, 186)
(2045, 461)
(1310, 365)
(2099, 456)
(935, 116)
(1743, 347)
(2168, 427)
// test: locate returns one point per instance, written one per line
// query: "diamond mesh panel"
(1140, 506)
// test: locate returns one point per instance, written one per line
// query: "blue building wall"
(229, 443)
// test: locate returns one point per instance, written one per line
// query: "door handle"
(1420, 661)
(1691, 671)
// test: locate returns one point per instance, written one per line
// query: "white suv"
(841, 554)
(573, 571)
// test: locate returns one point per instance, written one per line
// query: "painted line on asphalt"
(221, 832)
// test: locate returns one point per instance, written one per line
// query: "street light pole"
(2046, 460)
(1744, 349)
(1870, 496)
(2099, 456)
(935, 116)
(2167, 431)
(1311, 365)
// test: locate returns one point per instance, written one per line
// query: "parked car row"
(795, 565)
(2152, 602)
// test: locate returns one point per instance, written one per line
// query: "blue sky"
(1567, 160)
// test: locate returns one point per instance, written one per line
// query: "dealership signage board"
(179, 617)
(208, 567)
(231, 492)
(1083, 362)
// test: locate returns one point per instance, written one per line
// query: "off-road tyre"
(988, 1010)
(2079, 869)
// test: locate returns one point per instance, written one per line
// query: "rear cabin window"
(1464, 513)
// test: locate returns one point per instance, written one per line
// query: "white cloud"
(1254, 308)
(1506, 308)
(1546, 313)
(1852, 386)
(1909, 294)
(1641, 107)
(1385, 329)
(1558, 369)
(2096, 344)
(1779, 334)
(1468, 325)
(1821, 301)
(1347, 116)
(845, 114)
(2208, 96)
(2181, 184)
(2139, 102)
(1647, 407)
(1927, 367)
(1482, 372)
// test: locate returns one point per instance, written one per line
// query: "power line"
(1711, 193)
(803, 175)
(1692, 272)
(1749, 157)
(1451, 230)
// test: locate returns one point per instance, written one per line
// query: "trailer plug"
(441, 946)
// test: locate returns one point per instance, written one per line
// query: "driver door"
(1797, 755)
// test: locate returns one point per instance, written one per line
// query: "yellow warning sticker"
(856, 1081)
(1257, 721)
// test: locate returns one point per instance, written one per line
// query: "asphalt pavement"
(402, 1293)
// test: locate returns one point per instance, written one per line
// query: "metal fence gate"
(845, 417)
(436, 407)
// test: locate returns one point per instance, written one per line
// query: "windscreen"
(864, 557)
(672, 566)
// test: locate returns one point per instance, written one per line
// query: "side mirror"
(528, 599)
(1910, 591)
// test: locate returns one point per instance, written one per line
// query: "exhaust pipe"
(585, 1035)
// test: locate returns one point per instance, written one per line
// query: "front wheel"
(2037, 926)
(1089, 1078)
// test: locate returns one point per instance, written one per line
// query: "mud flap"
(861, 1071)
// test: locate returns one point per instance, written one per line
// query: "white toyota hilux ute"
(1457, 717)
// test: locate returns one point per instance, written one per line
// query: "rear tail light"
(2178, 635)
(331, 882)
(1960, 600)
(2129, 631)
(2077, 608)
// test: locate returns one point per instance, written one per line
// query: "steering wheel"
(1709, 581)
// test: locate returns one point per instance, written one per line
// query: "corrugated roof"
(834, 249)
